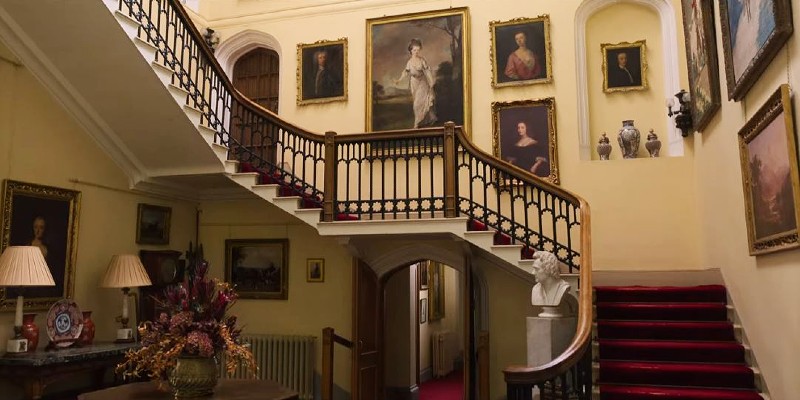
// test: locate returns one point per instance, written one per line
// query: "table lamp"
(22, 266)
(125, 271)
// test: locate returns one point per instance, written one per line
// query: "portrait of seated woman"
(525, 136)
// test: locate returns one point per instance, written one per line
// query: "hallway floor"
(451, 387)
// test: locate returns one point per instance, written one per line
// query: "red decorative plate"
(64, 323)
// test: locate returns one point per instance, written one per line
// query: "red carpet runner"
(669, 343)
(450, 387)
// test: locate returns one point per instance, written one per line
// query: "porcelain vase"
(653, 145)
(193, 376)
(30, 331)
(87, 333)
(603, 147)
(628, 139)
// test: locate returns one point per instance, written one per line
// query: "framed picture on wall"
(436, 292)
(322, 71)
(152, 224)
(701, 60)
(258, 267)
(315, 270)
(520, 51)
(753, 32)
(422, 273)
(46, 217)
(624, 66)
(768, 152)
(423, 311)
(525, 135)
(418, 70)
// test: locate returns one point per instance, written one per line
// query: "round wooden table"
(227, 389)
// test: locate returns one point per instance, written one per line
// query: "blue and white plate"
(64, 323)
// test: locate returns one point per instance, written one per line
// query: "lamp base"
(17, 345)
(124, 335)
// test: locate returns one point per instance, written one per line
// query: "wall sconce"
(211, 38)
(683, 117)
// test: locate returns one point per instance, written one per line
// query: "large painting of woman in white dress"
(417, 70)
(753, 31)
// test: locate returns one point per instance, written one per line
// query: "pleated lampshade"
(125, 270)
(24, 266)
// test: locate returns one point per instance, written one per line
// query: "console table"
(34, 371)
(227, 389)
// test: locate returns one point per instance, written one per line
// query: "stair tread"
(669, 393)
(672, 343)
(662, 293)
(694, 304)
(659, 366)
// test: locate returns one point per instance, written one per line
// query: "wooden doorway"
(257, 76)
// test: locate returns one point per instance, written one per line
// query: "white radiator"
(286, 359)
(444, 352)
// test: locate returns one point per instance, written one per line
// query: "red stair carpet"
(450, 387)
(669, 343)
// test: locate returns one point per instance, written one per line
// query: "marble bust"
(550, 288)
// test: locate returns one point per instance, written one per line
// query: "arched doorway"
(256, 75)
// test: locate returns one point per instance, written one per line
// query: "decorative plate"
(64, 323)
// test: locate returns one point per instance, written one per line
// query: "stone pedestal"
(548, 338)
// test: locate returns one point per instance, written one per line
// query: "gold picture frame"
(315, 270)
(514, 40)
(326, 83)
(436, 292)
(634, 74)
(259, 268)
(153, 224)
(47, 217)
(768, 152)
(438, 88)
(536, 120)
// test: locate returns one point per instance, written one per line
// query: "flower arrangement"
(194, 323)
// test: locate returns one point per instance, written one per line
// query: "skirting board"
(425, 375)
(402, 393)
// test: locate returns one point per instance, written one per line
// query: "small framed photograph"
(152, 224)
(423, 310)
(753, 33)
(46, 217)
(315, 270)
(422, 274)
(521, 51)
(322, 71)
(624, 66)
(525, 135)
(768, 154)
(259, 268)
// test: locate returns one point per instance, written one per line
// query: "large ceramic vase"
(30, 331)
(628, 139)
(193, 377)
(87, 333)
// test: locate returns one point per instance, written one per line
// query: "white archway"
(669, 39)
(231, 49)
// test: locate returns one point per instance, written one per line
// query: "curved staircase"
(669, 343)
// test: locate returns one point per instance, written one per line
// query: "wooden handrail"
(329, 337)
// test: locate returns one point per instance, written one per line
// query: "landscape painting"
(418, 70)
(701, 59)
(770, 176)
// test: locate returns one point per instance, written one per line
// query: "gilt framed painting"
(418, 70)
(701, 60)
(520, 52)
(259, 268)
(753, 32)
(768, 151)
(322, 71)
(525, 135)
(46, 217)
(624, 66)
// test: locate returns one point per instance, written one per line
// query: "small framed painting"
(525, 135)
(423, 310)
(768, 154)
(152, 224)
(624, 66)
(322, 71)
(521, 51)
(315, 270)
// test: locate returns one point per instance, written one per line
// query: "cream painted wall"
(634, 199)
(40, 143)
(310, 306)
(763, 288)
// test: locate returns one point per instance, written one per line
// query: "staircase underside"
(78, 50)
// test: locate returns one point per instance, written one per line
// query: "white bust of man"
(549, 288)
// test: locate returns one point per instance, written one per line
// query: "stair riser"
(607, 352)
(658, 313)
(665, 333)
(710, 294)
(676, 378)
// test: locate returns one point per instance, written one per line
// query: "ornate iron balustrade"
(405, 174)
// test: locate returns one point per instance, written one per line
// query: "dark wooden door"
(368, 328)
(256, 75)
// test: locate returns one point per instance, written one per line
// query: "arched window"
(256, 74)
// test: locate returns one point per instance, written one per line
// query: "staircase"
(669, 343)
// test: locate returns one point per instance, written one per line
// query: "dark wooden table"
(34, 371)
(227, 389)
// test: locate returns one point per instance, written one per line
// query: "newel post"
(330, 177)
(449, 169)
